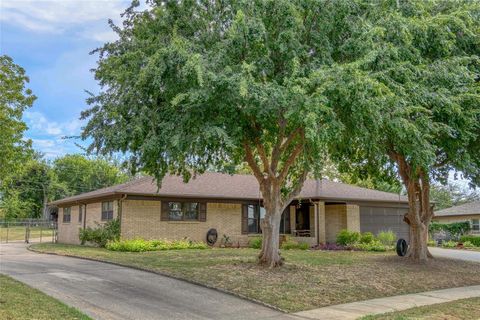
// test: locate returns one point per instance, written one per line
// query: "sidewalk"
(355, 310)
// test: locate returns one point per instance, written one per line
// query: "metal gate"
(28, 230)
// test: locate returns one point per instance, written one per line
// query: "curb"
(243, 297)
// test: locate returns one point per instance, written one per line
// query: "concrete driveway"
(105, 291)
(456, 254)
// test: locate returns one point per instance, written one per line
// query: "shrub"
(373, 246)
(475, 240)
(289, 244)
(140, 245)
(100, 235)
(432, 243)
(468, 244)
(387, 238)
(449, 244)
(367, 237)
(346, 237)
(455, 229)
(255, 243)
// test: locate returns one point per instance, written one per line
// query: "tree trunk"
(420, 211)
(418, 248)
(270, 253)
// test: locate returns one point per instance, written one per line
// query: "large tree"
(423, 58)
(195, 84)
(14, 99)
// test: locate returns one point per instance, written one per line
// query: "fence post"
(41, 228)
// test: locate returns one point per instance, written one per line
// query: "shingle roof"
(464, 209)
(213, 185)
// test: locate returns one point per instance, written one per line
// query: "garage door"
(376, 219)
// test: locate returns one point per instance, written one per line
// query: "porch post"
(292, 219)
(353, 217)
(321, 236)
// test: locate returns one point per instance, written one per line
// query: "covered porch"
(317, 222)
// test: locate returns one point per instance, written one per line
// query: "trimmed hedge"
(475, 240)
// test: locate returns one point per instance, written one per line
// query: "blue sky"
(51, 40)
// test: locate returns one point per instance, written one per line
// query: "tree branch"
(290, 161)
(276, 149)
(294, 193)
(249, 157)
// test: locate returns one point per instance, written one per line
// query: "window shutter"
(244, 219)
(165, 211)
(202, 214)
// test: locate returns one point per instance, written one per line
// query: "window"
(67, 214)
(476, 225)
(107, 210)
(179, 211)
(252, 215)
(81, 211)
(255, 214)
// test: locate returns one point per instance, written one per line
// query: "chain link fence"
(28, 230)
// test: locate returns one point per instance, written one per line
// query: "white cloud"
(40, 125)
(88, 17)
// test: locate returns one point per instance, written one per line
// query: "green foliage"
(110, 231)
(367, 237)
(475, 240)
(347, 238)
(449, 244)
(189, 86)
(468, 244)
(456, 229)
(290, 244)
(140, 245)
(26, 191)
(432, 243)
(387, 238)
(375, 245)
(255, 242)
(15, 98)
(81, 174)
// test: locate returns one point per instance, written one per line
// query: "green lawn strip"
(19, 301)
(309, 279)
(466, 309)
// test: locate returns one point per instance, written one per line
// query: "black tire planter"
(402, 247)
(212, 236)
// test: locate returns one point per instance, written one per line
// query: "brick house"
(232, 205)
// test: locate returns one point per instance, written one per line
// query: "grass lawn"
(19, 301)
(17, 233)
(466, 309)
(309, 279)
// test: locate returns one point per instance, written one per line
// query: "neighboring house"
(232, 205)
(465, 212)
